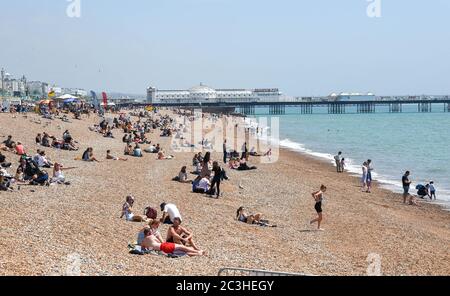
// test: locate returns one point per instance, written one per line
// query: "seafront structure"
(202, 94)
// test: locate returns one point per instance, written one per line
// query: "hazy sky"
(304, 48)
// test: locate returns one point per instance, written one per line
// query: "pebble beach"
(44, 230)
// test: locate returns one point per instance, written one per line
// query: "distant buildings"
(20, 88)
(201, 94)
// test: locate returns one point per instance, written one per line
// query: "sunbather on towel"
(151, 243)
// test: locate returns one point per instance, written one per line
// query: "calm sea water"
(396, 142)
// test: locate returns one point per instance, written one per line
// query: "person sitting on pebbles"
(152, 243)
(88, 155)
(153, 226)
(8, 144)
(180, 235)
(243, 217)
(127, 211)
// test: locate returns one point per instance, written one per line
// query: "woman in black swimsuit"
(318, 197)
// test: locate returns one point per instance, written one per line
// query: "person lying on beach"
(244, 167)
(162, 156)
(58, 176)
(233, 164)
(253, 152)
(111, 157)
(243, 217)
(180, 235)
(151, 243)
(88, 155)
(182, 176)
(169, 213)
(127, 211)
(318, 198)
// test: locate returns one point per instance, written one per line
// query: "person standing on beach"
(337, 159)
(369, 176)
(225, 151)
(406, 185)
(318, 197)
(364, 176)
(432, 190)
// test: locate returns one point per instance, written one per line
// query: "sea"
(395, 142)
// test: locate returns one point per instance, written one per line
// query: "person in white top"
(58, 176)
(432, 190)
(204, 184)
(170, 212)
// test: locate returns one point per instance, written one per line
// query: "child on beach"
(127, 211)
(318, 197)
(432, 190)
(342, 165)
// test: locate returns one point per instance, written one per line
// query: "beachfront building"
(204, 94)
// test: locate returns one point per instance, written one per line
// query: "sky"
(304, 48)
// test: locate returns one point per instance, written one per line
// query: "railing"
(254, 272)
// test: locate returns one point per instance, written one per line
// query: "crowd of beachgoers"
(209, 173)
(206, 173)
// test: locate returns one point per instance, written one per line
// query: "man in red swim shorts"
(167, 248)
(150, 242)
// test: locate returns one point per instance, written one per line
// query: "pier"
(441, 104)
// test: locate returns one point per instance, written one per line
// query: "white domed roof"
(202, 89)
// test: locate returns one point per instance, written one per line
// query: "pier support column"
(277, 110)
(336, 108)
(306, 109)
(395, 108)
(366, 108)
(447, 107)
(247, 109)
(424, 107)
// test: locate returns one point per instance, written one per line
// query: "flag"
(105, 99)
(95, 100)
(51, 94)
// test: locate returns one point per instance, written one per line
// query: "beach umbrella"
(71, 100)
(67, 97)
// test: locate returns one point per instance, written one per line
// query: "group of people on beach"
(30, 169)
(423, 191)
(179, 240)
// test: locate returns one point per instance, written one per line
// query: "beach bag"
(151, 213)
